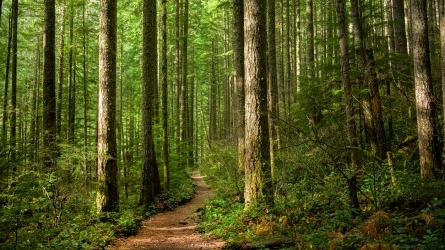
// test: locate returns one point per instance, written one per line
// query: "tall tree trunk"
(13, 135)
(376, 107)
(226, 88)
(49, 86)
(280, 63)
(5, 93)
(238, 72)
(61, 76)
(389, 33)
(122, 147)
(258, 179)
(33, 131)
(71, 83)
(149, 64)
(314, 114)
(178, 31)
(352, 133)
(1, 5)
(85, 88)
(191, 133)
(287, 62)
(400, 45)
(442, 46)
(213, 96)
(164, 97)
(107, 195)
(425, 107)
(272, 84)
(183, 107)
(361, 64)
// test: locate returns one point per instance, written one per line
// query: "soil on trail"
(173, 229)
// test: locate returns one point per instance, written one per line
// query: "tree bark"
(85, 89)
(213, 96)
(398, 13)
(442, 47)
(183, 102)
(13, 135)
(1, 4)
(238, 72)
(71, 84)
(164, 97)
(426, 117)
(376, 107)
(5, 93)
(400, 45)
(258, 181)
(352, 133)
(33, 131)
(314, 113)
(61, 76)
(361, 64)
(150, 187)
(49, 85)
(272, 84)
(107, 195)
(178, 31)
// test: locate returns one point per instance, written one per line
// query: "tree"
(1, 4)
(398, 15)
(400, 42)
(377, 114)
(183, 89)
(272, 83)
(15, 10)
(258, 182)
(360, 62)
(349, 108)
(149, 186)
(61, 76)
(238, 72)
(71, 92)
(213, 134)
(425, 107)
(442, 45)
(164, 97)
(315, 114)
(107, 199)
(49, 85)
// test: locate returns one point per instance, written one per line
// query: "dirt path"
(173, 229)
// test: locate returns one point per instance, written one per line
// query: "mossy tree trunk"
(107, 195)
(258, 181)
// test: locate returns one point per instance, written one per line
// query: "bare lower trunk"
(426, 117)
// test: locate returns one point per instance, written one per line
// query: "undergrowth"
(58, 210)
(312, 208)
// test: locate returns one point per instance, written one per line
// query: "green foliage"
(312, 207)
(57, 209)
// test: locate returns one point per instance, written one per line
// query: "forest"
(318, 124)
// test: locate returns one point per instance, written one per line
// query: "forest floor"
(174, 229)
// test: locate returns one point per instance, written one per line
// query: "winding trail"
(173, 229)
